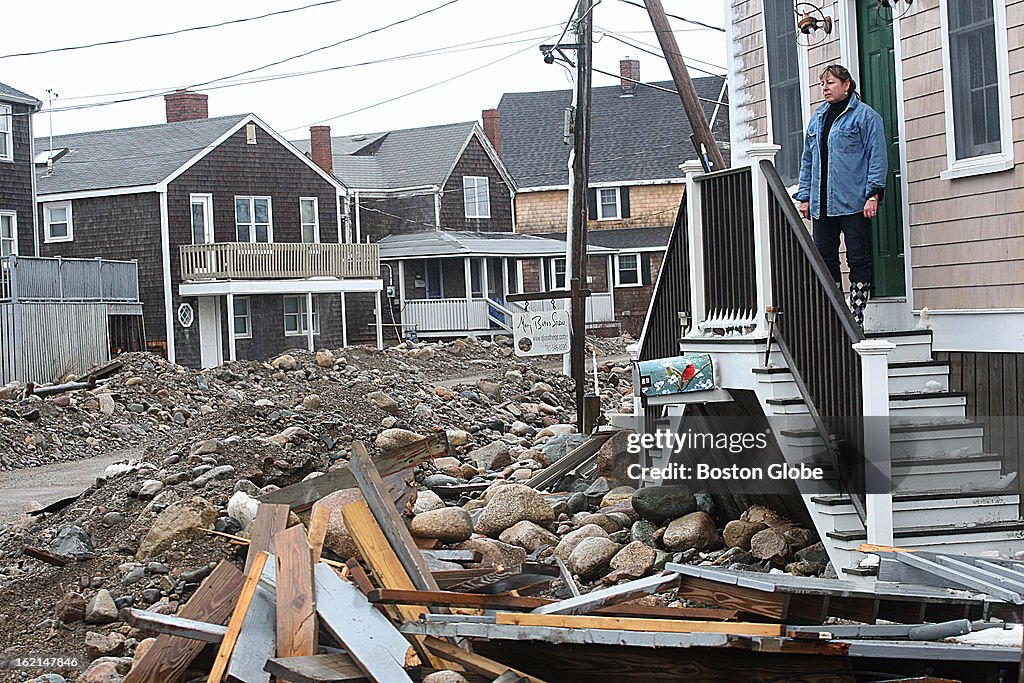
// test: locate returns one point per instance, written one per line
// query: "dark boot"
(859, 293)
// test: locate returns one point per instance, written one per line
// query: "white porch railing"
(442, 315)
(32, 278)
(278, 261)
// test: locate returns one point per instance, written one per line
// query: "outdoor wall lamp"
(810, 20)
(890, 9)
(684, 323)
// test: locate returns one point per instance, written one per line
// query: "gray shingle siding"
(16, 175)
(476, 162)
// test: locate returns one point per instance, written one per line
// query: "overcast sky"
(291, 105)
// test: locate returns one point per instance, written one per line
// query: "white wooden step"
(928, 509)
(971, 539)
(927, 377)
(915, 345)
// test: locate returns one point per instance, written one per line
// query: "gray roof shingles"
(622, 239)
(9, 94)
(127, 157)
(412, 157)
(643, 137)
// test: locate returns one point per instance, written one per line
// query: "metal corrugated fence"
(44, 342)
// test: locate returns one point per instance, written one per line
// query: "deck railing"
(278, 261)
(728, 244)
(37, 279)
(441, 315)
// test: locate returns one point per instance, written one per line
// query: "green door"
(878, 87)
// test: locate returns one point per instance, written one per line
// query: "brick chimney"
(183, 105)
(320, 148)
(629, 71)
(492, 128)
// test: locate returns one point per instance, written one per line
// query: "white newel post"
(695, 252)
(762, 243)
(231, 325)
(874, 355)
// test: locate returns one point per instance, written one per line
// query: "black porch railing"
(671, 295)
(817, 333)
(727, 222)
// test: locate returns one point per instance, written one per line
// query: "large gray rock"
(101, 609)
(695, 530)
(658, 503)
(528, 536)
(770, 544)
(103, 644)
(591, 556)
(448, 525)
(73, 541)
(613, 460)
(573, 538)
(382, 401)
(337, 537)
(180, 521)
(494, 553)
(426, 500)
(737, 533)
(635, 559)
(510, 504)
(766, 516)
(493, 456)
(557, 446)
(446, 676)
(394, 438)
(643, 531)
(70, 608)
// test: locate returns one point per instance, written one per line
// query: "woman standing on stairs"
(842, 180)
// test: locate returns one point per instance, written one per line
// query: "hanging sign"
(538, 333)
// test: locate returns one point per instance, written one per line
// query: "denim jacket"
(857, 160)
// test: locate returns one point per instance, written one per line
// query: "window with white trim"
(309, 219)
(253, 222)
(243, 318)
(57, 222)
(627, 270)
(6, 136)
(608, 205)
(296, 321)
(558, 272)
(8, 233)
(979, 135)
(477, 196)
(784, 88)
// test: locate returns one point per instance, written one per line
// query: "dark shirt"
(834, 110)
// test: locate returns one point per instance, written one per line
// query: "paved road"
(35, 487)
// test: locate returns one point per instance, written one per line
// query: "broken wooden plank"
(332, 668)
(388, 518)
(270, 519)
(296, 607)
(154, 622)
(453, 555)
(517, 577)
(567, 579)
(318, 520)
(638, 624)
(213, 602)
(372, 642)
(473, 662)
(227, 645)
(46, 556)
(258, 640)
(308, 492)
(588, 602)
(571, 460)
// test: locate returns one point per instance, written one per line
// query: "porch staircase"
(948, 494)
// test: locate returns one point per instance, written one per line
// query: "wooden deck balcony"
(277, 261)
(459, 315)
(47, 279)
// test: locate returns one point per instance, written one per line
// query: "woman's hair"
(840, 72)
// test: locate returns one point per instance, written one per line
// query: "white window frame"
(47, 208)
(554, 272)
(600, 204)
(247, 317)
(207, 201)
(301, 317)
(252, 218)
(13, 239)
(466, 187)
(618, 270)
(988, 163)
(316, 220)
(7, 115)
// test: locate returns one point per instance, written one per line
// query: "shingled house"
(234, 231)
(640, 136)
(440, 203)
(16, 154)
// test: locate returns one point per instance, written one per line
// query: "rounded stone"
(636, 559)
(695, 530)
(737, 533)
(574, 538)
(592, 555)
(658, 503)
(510, 504)
(528, 536)
(448, 525)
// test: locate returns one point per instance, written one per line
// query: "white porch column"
(231, 325)
(762, 244)
(309, 321)
(609, 269)
(359, 236)
(467, 275)
(344, 322)
(485, 286)
(874, 354)
(691, 169)
(380, 321)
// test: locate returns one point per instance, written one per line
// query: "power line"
(676, 16)
(265, 66)
(167, 33)
(637, 44)
(658, 87)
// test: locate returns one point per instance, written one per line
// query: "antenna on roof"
(50, 96)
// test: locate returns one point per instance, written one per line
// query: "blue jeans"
(857, 231)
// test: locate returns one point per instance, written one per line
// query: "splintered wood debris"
(391, 615)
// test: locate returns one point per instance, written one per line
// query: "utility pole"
(681, 77)
(579, 212)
